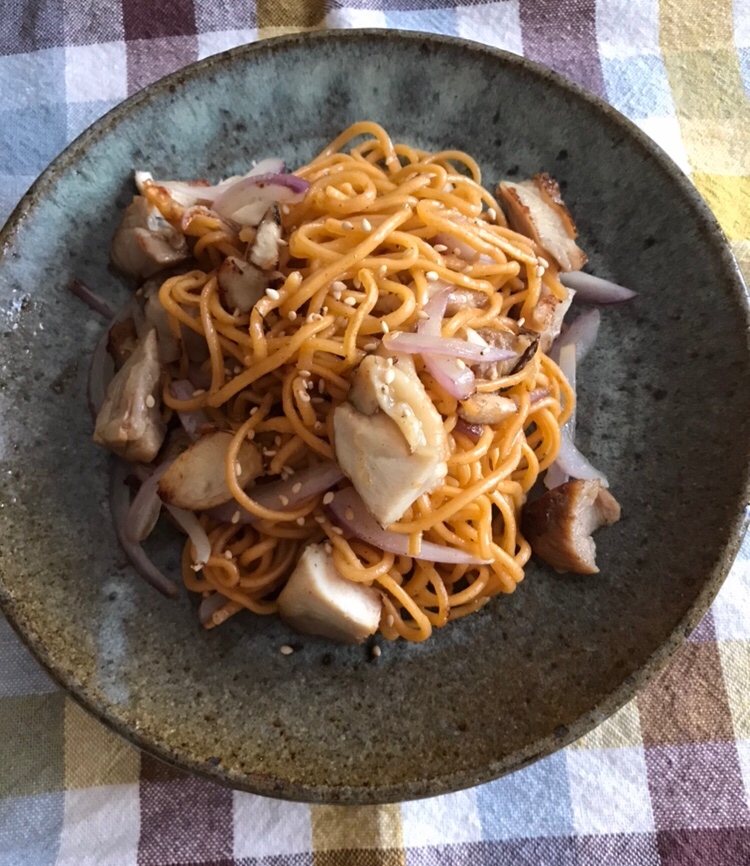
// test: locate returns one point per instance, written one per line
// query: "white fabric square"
(496, 24)
(101, 827)
(96, 72)
(741, 12)
(665, 131)
(609, 791)
(451, 818)
(627, 27)
(223, 40)
(265, 827)
(731, 608)
(355, 18)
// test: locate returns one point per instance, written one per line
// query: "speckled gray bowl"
(664, 410)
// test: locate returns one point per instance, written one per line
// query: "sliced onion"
(119, 498)
(209, 606)
(314, 480)
(471, 431)
(96, 302)
(182, 389)
(595, 290)
(457, 379)
(455, 246)
(571, 462)
(145, 508)
(247, 200)
(191, 525)
(453, 347)
(362, 524)
(583, 332)
(538, 394)
(199, 378)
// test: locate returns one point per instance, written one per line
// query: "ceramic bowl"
(664, 410)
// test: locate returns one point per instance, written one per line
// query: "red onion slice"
(145, 508)
(595, 290)
(471, 431)
(313, 481)
(182, 389)
(363, 525)
(583, 332)
(455, 246)
(96, 302)
(247, 201)
(119, 499)
(454, 377)
(453, 347)
(572, 463)
(191, 525)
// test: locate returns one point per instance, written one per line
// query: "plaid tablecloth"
(666, 781)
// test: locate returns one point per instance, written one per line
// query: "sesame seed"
(338, 530)
(384, 327)
(389, 376)
(237, 312)
(286, 650)
(322, 386)
(350, 514)
(440, 248)
(251, 435)
(317, 400)
(228, 554)
(540, 271)
(197, 566)
(284, 476)
(336, 296)
(253, 411)
(304, 396)
(377, 652)
(198, 392)
(366, 227)
(319, 518)
(456, 251)
(297, 487)
(357, 283)
(277, 441)
(432, 276)
(346, 226)
(390, 620)
(543, 262)
(461, 364)
(309, 384)
(328, 498)
(273, 294)
(371, 347)
(237, 370)
(422, 315)
(269, 453)
(382, 270)
(350, 302)
(285, 209)
(521, 321)
(327, 547)
(236, 517)
(237, 469)
(338, 286)
(305, 374)
(492, 214)
(291, 315)
(300, 521)
(150, 402)
(288, 470)
(284, 500)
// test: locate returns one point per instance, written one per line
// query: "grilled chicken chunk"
(559, 524)
(145, 243)
(241, 284)
(318, 600)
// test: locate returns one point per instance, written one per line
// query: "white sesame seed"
(350, 514)
(236, 517)
(456, 251)
(317, 400)
(377, 652)
(309, 384)
(366, 227)
(390, 620)
(319, 518)
(540, 271)
(422, 315)
(328, 498)
(371, 347)
(461, 364)
(284, 476)
(338, 286)
(321, 386)
(288, 470)
(389, 376)
(269, 453)
(440, 248)
(338, 530)
(228, 554)
(284, 500)
(328, 547)
(492, 214)
(357, 283)
(300, 521)
(198, 392)
(285, 209)
(251, 435)
(346, 226)
(543, 262)
(291, 315)
(350, 302)
(150, 402)
(521, 321)
(384, 327)
(382, 270)
(277, 441)
(237, 370)
(286, 650)
(432, 276)
(273, 294)
(297, 487)
(305, 374)
(304, 396)
(237, 313)
(238, 469)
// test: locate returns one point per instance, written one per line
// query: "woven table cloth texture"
(666, 780)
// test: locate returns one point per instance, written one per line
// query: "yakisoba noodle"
(359, 264)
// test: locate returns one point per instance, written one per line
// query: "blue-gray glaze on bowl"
(664, 409)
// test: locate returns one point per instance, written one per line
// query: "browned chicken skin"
(559, 524)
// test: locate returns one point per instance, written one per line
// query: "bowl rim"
(627, 689)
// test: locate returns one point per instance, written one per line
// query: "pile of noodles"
(381, 228)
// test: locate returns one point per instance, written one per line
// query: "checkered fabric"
(666, 780)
